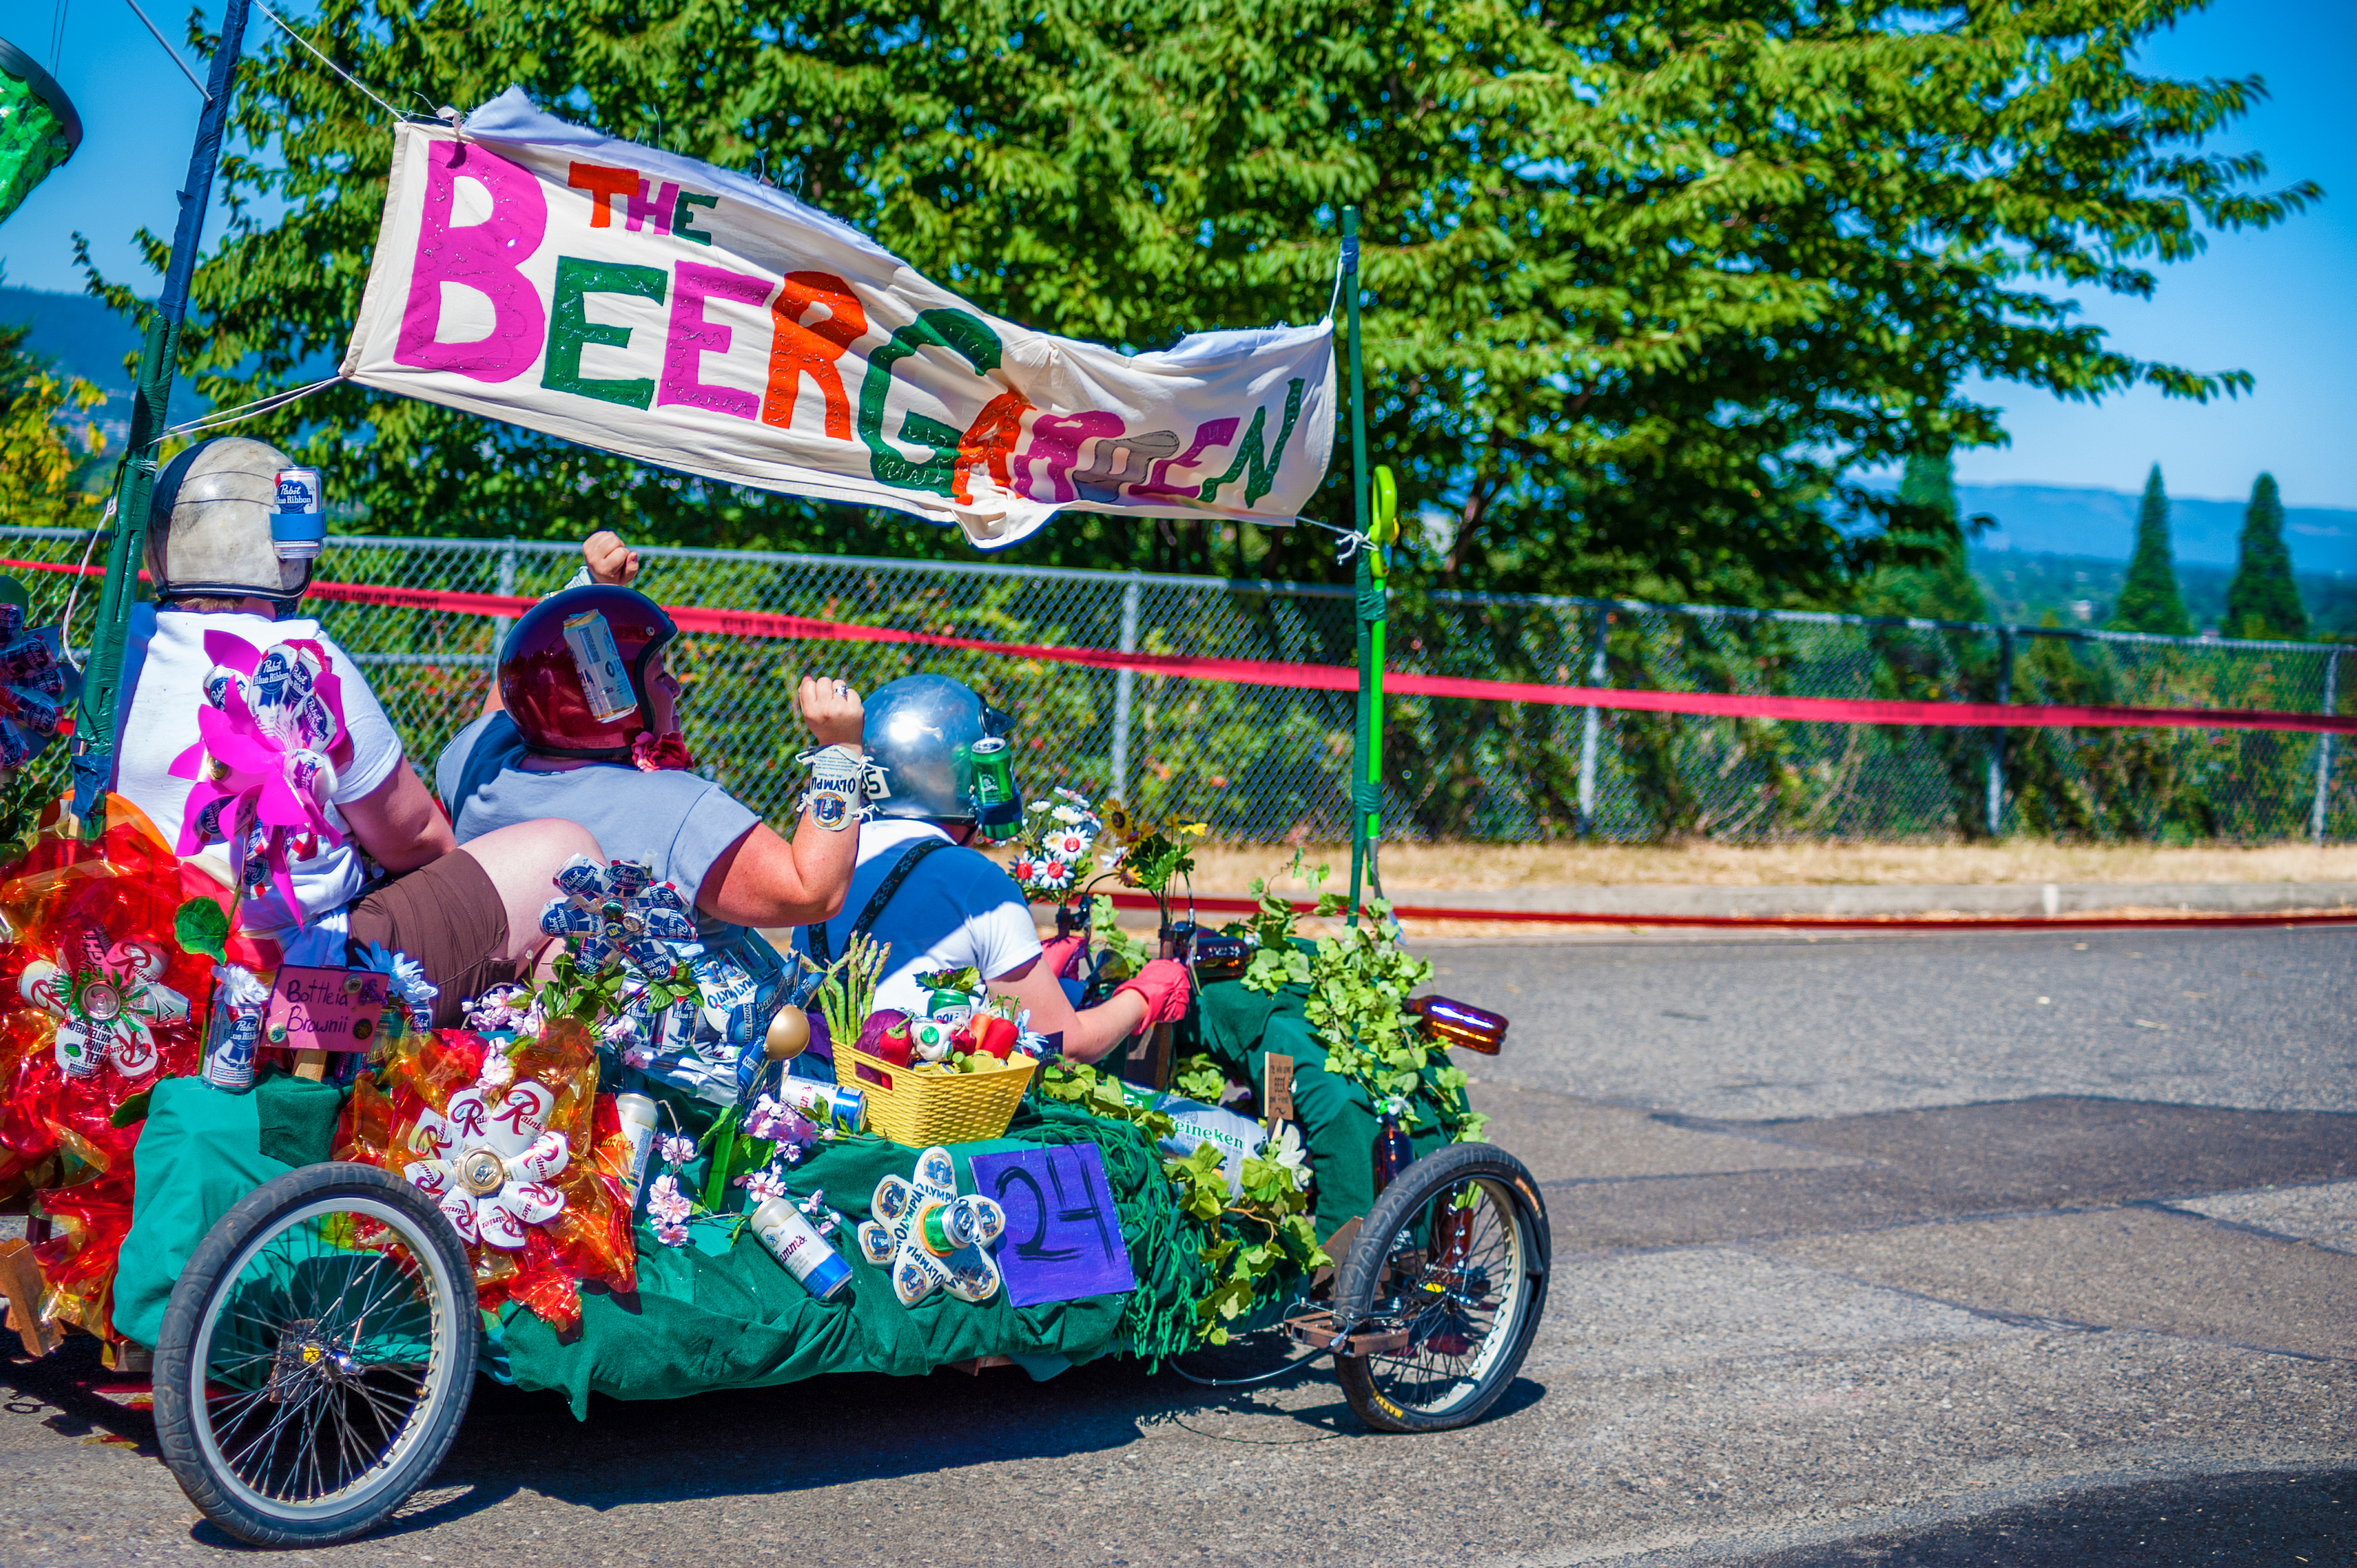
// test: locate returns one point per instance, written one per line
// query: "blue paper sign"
(1064, 1239)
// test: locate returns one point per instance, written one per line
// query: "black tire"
(1464, 1323)
(317, 1357)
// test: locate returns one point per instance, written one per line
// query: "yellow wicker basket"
(922, 1106)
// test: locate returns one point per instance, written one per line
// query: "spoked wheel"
(317, 1356)
(1443, 1290)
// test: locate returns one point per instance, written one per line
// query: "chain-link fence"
(1270, 763)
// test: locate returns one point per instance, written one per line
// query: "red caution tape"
(1339, 677)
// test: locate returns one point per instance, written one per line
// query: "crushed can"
(840, 1103)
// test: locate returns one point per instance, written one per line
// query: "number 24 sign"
(1064, 1239)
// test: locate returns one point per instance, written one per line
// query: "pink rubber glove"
(1064, 954)
(1162, 986)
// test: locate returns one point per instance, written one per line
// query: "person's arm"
(398, 824)
(765, 880)
(607, 560)
(1087, 1035)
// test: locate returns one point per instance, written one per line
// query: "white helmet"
(209, 526)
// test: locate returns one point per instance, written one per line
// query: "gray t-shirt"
(674, 822)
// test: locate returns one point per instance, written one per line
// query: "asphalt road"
(1863, 1253)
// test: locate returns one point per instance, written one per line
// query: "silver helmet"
(209, 526)
(929, 739)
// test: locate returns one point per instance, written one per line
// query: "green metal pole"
(1361, 745)
(134, 482)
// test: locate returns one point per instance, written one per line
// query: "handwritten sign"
(1064, 1239)
(325, 1009)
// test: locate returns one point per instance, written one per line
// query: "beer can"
(794, 1242)
(997, 809)
(299, 527)
(840, 1103)
(638, 1114)
(599, 661)
(231, 1038)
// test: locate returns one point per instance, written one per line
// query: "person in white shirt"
(223, 589)
(943, 905)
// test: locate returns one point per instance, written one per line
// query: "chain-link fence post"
(499, 623)
(1123, 681)
(2324, 749)
(1589, 725)
(1997, 736)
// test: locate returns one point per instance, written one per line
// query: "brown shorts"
(448, 917)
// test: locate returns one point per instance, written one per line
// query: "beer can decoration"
(637, 1112)
(300, 525)
(997, 808)
(844, 1105)
(235, 1028)
(604, 678)
(794, 1242)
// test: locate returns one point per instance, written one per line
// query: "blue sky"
(2279, 305)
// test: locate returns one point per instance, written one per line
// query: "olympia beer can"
(788, 1233)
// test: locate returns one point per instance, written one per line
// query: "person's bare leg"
(522, 862)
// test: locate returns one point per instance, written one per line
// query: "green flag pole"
(134, 482)
(1370, 593)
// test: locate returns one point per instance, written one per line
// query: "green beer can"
(997, 809)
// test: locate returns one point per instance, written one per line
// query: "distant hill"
(78, 332)
(2100, 525)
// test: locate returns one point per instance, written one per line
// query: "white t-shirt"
(957, 908)
(170, 649)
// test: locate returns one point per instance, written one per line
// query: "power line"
(185, 71)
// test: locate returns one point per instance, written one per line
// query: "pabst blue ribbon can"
(299, 526)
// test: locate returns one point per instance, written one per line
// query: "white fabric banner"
(534, 272)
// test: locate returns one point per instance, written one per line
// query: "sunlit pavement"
(1864, 1252)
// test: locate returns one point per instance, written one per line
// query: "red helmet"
(573, 671)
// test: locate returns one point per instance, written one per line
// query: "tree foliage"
(44, 452)
(1644, 287)
(2149, 600)
(2263, 601)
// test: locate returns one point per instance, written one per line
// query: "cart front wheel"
(317, 1357)
(1443, 1290)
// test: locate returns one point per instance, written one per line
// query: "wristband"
(837, 775)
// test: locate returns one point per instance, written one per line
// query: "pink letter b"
(484, 256)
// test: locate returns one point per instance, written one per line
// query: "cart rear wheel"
(1443, 1289)
(317, 1357)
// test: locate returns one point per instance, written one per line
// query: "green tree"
(1643, 285)
(2149, 597)
(2263, 601)
(45, 453)
(1940, 588)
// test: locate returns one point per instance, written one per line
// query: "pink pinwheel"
(488, 1167)
(272, 740)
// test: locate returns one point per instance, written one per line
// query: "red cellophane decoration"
(589, 1239)
(97, 1001)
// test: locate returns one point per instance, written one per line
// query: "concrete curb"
(2017, 899)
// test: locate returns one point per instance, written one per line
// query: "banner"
(627, 299)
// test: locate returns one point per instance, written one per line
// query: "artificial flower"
(105, 1011)
(407, 977)
(1070, 816)
(672, 1233)
(1068, 847)
(677, 1149)
(665, 753)
(498, 1070)
(667, 1202)
(762, 1185)
(1285, 1150)
(1052, 874)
